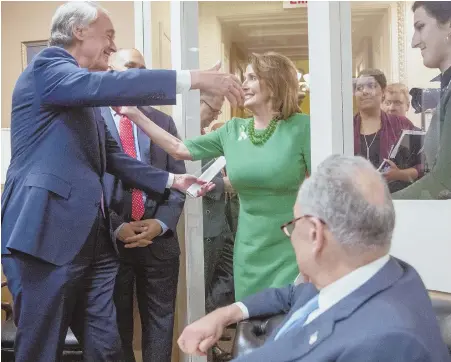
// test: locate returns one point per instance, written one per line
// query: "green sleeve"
(209, 145)
(306, 149)
(439, 178)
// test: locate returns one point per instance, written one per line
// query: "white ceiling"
(285, 30)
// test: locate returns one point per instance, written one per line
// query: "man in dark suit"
(218, 238)
(357, 303)
(154, 268)
(56, 243)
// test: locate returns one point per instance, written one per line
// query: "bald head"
(125, 59)
(352, 198)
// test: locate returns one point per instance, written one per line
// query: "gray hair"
(69, 16)
(353, 199)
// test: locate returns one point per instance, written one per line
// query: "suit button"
(208, 240)
(208, 212)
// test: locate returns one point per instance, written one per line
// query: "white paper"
(208, 175)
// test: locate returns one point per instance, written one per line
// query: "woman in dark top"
(376, 132)
(432, 22)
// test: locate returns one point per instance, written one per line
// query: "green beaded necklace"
(259, 139)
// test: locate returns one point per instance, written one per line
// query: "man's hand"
(201, 335)
(129, 230)
(149, 230)
(393, 173)
(218, 83)
(128, 111)
(227, 185)
(183, 182)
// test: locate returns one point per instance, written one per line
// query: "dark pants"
(78, 294)
(218, 269)
(156, 290)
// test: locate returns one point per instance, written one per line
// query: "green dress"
(267, 180)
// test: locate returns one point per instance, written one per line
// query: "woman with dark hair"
(268, 157)
(432, 22)
(376, 132)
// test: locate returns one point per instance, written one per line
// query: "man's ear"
(317, 235)
(78, 32)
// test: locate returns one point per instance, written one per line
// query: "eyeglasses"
(216, 111)
(288, 227)
(396, 103)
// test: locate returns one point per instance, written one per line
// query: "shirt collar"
(445, 78)
(344, 286)
(113, 112)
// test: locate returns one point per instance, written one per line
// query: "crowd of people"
(97, 183)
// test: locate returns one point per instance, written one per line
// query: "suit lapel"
(101, 135)
(108, 118)
(144, 146)
(320, 329)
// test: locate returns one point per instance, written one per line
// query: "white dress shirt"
(338, 290)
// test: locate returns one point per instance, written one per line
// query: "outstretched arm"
(168, 142)
(202, 334)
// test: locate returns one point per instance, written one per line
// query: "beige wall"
(30, 21)
(161, 39)
(214, 43)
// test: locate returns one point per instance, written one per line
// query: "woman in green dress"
(268, 157)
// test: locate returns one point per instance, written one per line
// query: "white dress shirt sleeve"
(183, 81)
(170, 181)
(116, 232)
(164, 227)
(244, 310)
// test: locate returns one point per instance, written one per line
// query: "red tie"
(128, 144)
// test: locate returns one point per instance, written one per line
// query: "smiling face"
(95, 43)
(255, 92)
(368, 93)
(433, 39)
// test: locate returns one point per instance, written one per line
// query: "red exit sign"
(294, 4)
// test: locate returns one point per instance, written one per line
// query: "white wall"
(423, 238)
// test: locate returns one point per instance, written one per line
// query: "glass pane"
(230, 32)
(161, 39)
(396, 100)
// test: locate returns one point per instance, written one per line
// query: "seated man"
(358, 304)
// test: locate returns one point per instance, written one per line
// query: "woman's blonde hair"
(280, 75)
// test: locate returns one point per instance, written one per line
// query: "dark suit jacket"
(437, 150)
(389, 318)
(213, 205)
(167, 210)
(61, 149)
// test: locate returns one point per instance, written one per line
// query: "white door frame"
(186, 114)
(329, 37)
